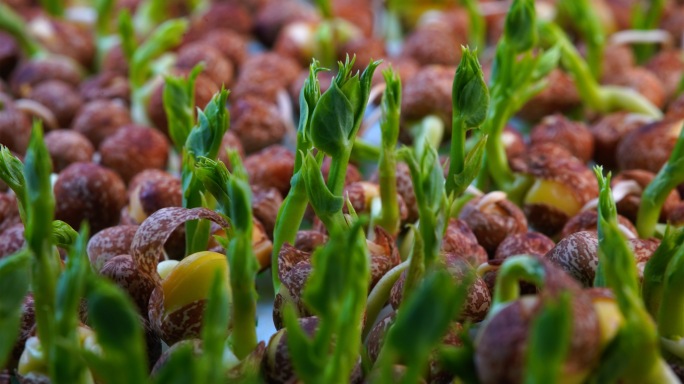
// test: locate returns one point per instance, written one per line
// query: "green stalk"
(512, 271)
(13, 24)
(671, 311)
(470, 101)
(583, 16)
(476, 23)
(428, 131)
(636, 345)
(291, 212)
(416, 267)
(38, 232)
(53, 7)
(601, 98)
(378, 297)
(457, 151)
(653, 198)
(654, 272)
(391, 103)
(646, 19)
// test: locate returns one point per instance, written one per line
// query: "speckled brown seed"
(101, 118)
(271, 167)
(87, 191)
(257, 123)
(572, 135)
(67, 147)
(109, 243)
(648, 147)
(60, 98)
(492, 222)
(134, 148)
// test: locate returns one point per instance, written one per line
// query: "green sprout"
(633, 356)
(335, 292)
(420, 325)
(204, 140)
(179, 105)
(292, 210)
(646, 16)
(14, 283)
(140, 57)
(470, 99)
(387, 168)
(549, 341)
(601, 98)
(13, 24)
(583, 16)
(653, 198)
(654, 272)
(233, 196)
(517, 76)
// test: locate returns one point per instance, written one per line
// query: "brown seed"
(60, 98)
(257, 123)
(668, 67)
(271, 167)
(106, 85)
(87, 191)
(609, 131)
(67, 147)
(100, 118)
(572, 135)
(309, 240)
(617, 59)
(134, 148)
(649, 147)
(275, 15)
(492, 219)
(9, 211)
(501, 343)
(643, 81)
(433, 44)
(478, 299)
(28, 74)
(232, 15)
(265, 205)
(232, 45)
(460, 241)
(427, 93)
(151, 191)
(587, 220)
(139, 284)
(528, 243)
(63, 37)
(277, 364)
(297, 41)
(216, 67)
(9, 54)
(12, 239)
(629, 205)
(15, 128)
(264, 75)
(559, 96)
(290, 293)
(109, 243)
(562, 186)
(576, 254)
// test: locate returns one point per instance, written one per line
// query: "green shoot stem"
(645, 20)
(288, 221)
(389, 217)
(457, 152)
(13, 24)
(671, 312)
(653, 198)
(656, 267)
(601, 98)
(380, 294)
(512, 271)
(53, 7)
